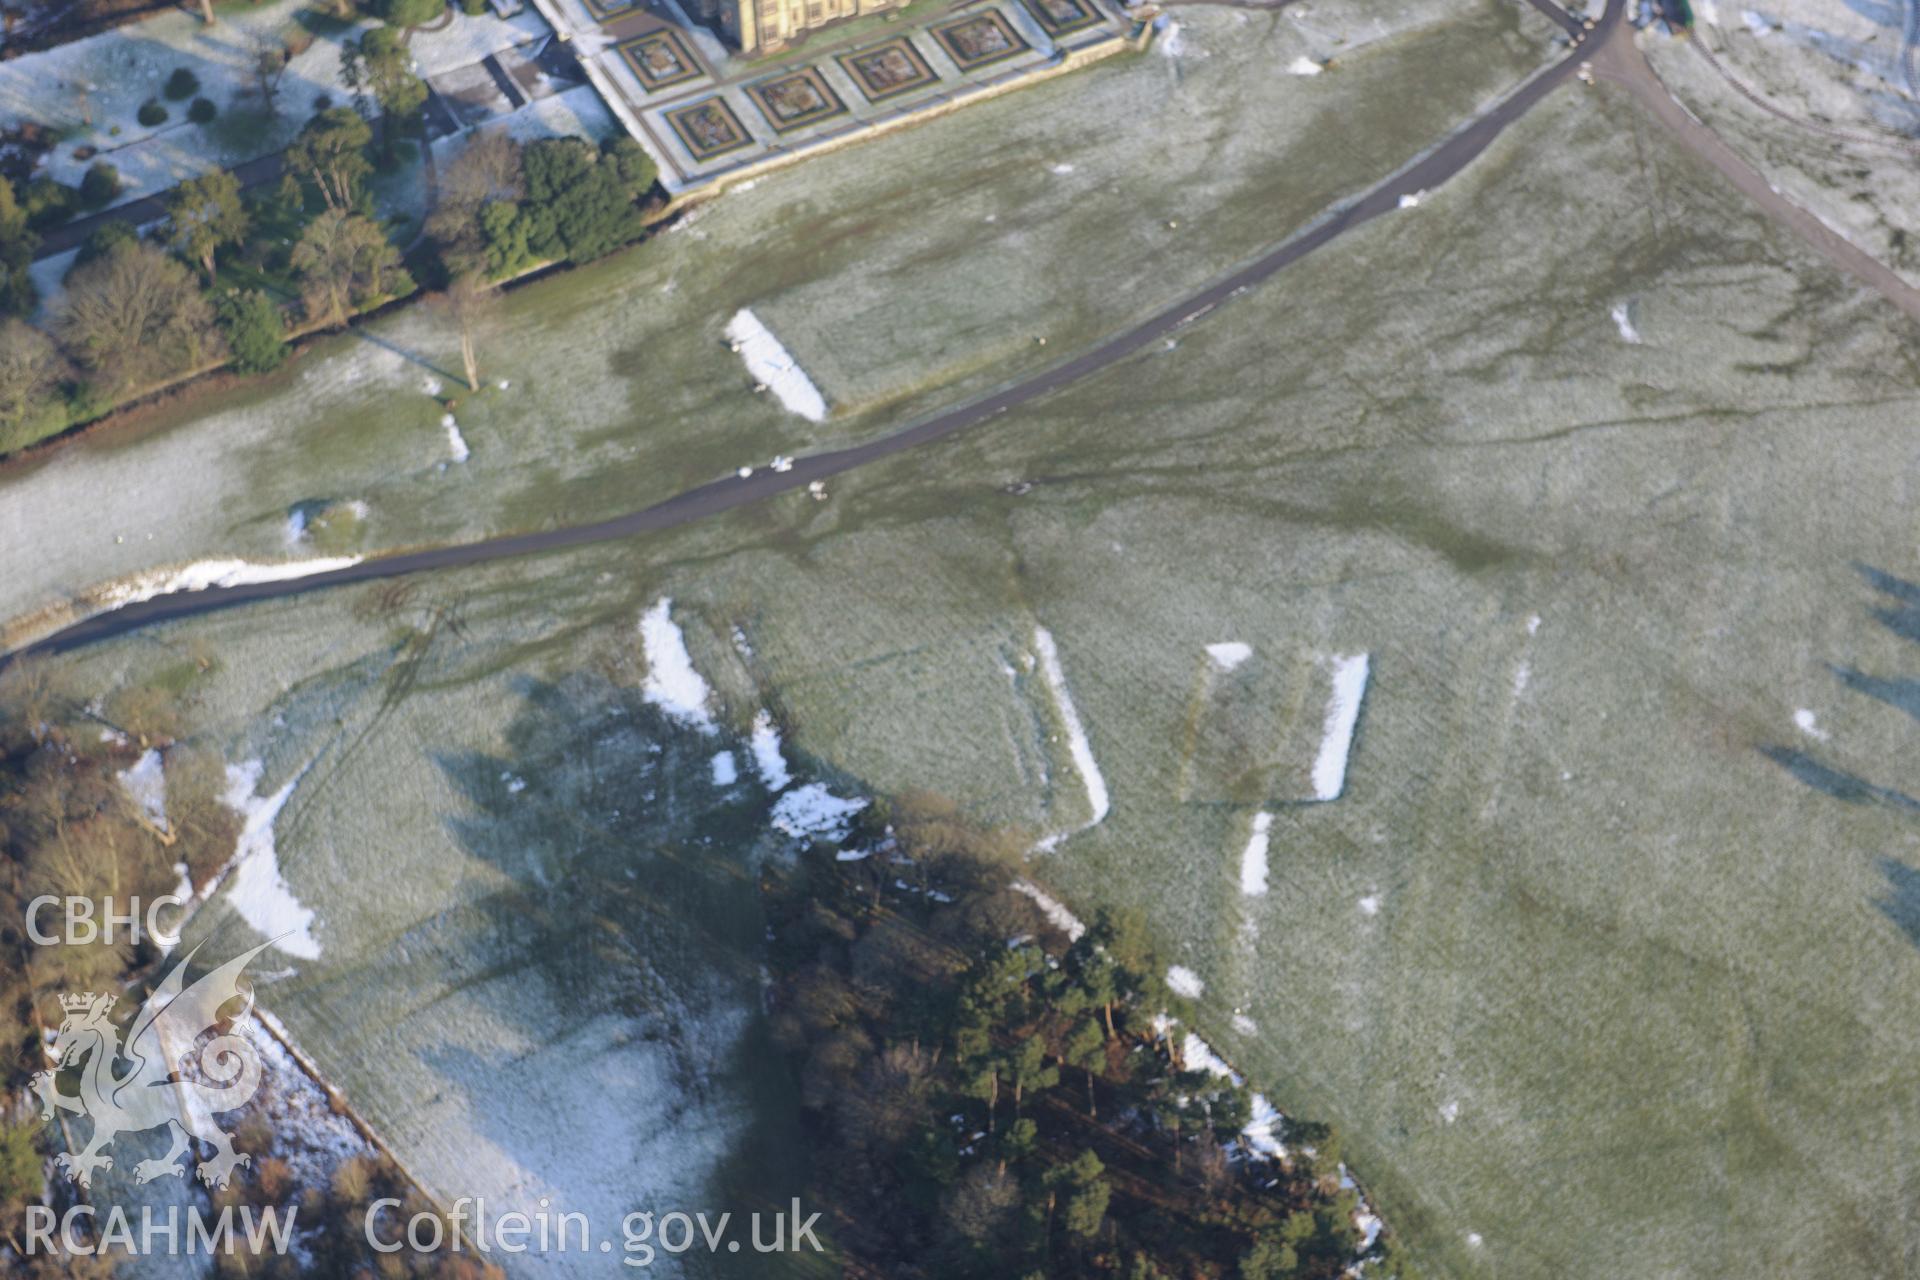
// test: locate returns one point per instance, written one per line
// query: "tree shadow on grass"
(1902, 901)
(630, 907)
(1901, 905)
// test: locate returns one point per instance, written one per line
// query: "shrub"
(48, 203)
(408, 13)
(104, 239)
(100, 186)
(151, 113)
(181, 84)
(255, 330)
(202, 111)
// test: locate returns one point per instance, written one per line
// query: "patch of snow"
(1533, 623)
(1411, 200)
(1253, 859)
(1623, 320)
(146, 785)
(769, 362)
(767, 758)
(515, 783)
(1343, 713)
(1199, 1056)
(306, 1131)
(1804, 720)
(853, 855)
(1370, 905)
(1304, 66)
(1060, 169)
(1370, 1225)
(456, 443)
(430, 385)
(1450, 1111)
(1057, 915)
(1473, 1239)
(255, 886)
(812, 810)
(1756, 23)
(1185, 982)
(1229, 654)
(1173, 41)
(672, 684)
(725, 772)
(1245, 1025)
(1078, 747)
(203, 574)
(1263, 1130)
(296, 526)
(1709, 12)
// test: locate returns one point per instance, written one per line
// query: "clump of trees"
(379, 64)
(67, 826)
(309, 251)
(988, 1097)
(223, 278)
(504, 208)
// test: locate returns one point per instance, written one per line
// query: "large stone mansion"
(755, 26)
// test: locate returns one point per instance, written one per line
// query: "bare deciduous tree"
(345, 261)
(30, 368)
(135, 315)
(469, 302)
(270, 59)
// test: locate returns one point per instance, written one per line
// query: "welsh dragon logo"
(149, 1094)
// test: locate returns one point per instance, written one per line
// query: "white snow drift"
(813, 811)
(1343, 713)
(672, 684)
(202, 574)
(774, 367)
(1253, 859)
(1098, 801)
(1229, 654)
(255, 886)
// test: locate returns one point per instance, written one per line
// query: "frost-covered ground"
(1835, 64)
(1602, 957)
(90, 91)
(518, 913)
(619, 385)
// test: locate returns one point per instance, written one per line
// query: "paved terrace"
(706, 113)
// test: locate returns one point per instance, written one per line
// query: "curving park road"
(1430, 171)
